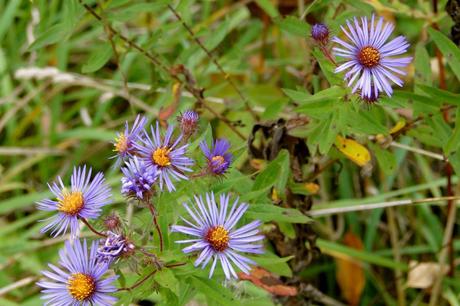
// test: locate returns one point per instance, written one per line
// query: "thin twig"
(92, 228)
(417, 150)
(138, 283)
(30, 151)
(196, 92)
(396, 255)
(20, 283)
(371, 206)
(214, 60)
(154, 215)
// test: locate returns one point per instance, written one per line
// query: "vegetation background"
(359, 201)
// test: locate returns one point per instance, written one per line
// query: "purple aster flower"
(113, 247)
(84, 199)
(124, 142)
(215, 236)
(188, 122)
(138, 179)
(165, 156)
(218, 157)
(369, 58)
(320, 33)
(79, 281)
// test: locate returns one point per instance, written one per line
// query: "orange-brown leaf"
(349, 273)
(267, 281)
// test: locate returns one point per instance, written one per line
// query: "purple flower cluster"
(113, 247)
(217, 156)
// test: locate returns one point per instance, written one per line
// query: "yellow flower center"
(369, 57)
(81, 286)
(71, 202)
(161, 157)
(218, 238)
(219, 159)
(121, 144)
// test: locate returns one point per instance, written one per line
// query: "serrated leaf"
(214, 291)
(385, 159)
(332, 94)
(165, 278)
(269, 212)
(98, 58)
(448, 49)
(279, 167)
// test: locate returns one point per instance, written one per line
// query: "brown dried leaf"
(350, 274)
(423, 274)
(267, 281)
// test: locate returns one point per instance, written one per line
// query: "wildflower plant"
(189, 148)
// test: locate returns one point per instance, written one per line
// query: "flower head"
(320, 33)
(84, 199)
(369, 58)
(215, 236)
(79, 281)
(188, 122)
(124, 142)
(112, 222)
(218, 157)
(165, 156)
(138, 179)
(113, 247)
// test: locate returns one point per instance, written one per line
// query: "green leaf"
(360, 121)
(98, 58)
(274, 264)
(440, 96)
(293, 26)
(214, 291)
(18, 202)
(165, 278)
(268, 7)
(269, 212)
(279, 167)
(327, 68)
(422, 65)
(52, 35)
(454, 140)
(323, 134)
(448, 49)
(88, 134)
(385, 159)
(306, 101)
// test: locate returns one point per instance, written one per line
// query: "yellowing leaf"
(398, 126)
(349, 273)
(312, 188)
(354, 151)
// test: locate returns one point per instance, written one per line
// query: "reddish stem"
(92, 228)
(160, 235)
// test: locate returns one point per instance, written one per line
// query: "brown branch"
(154, 215)
(138, 283)
(196, 92)
(214, 60)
